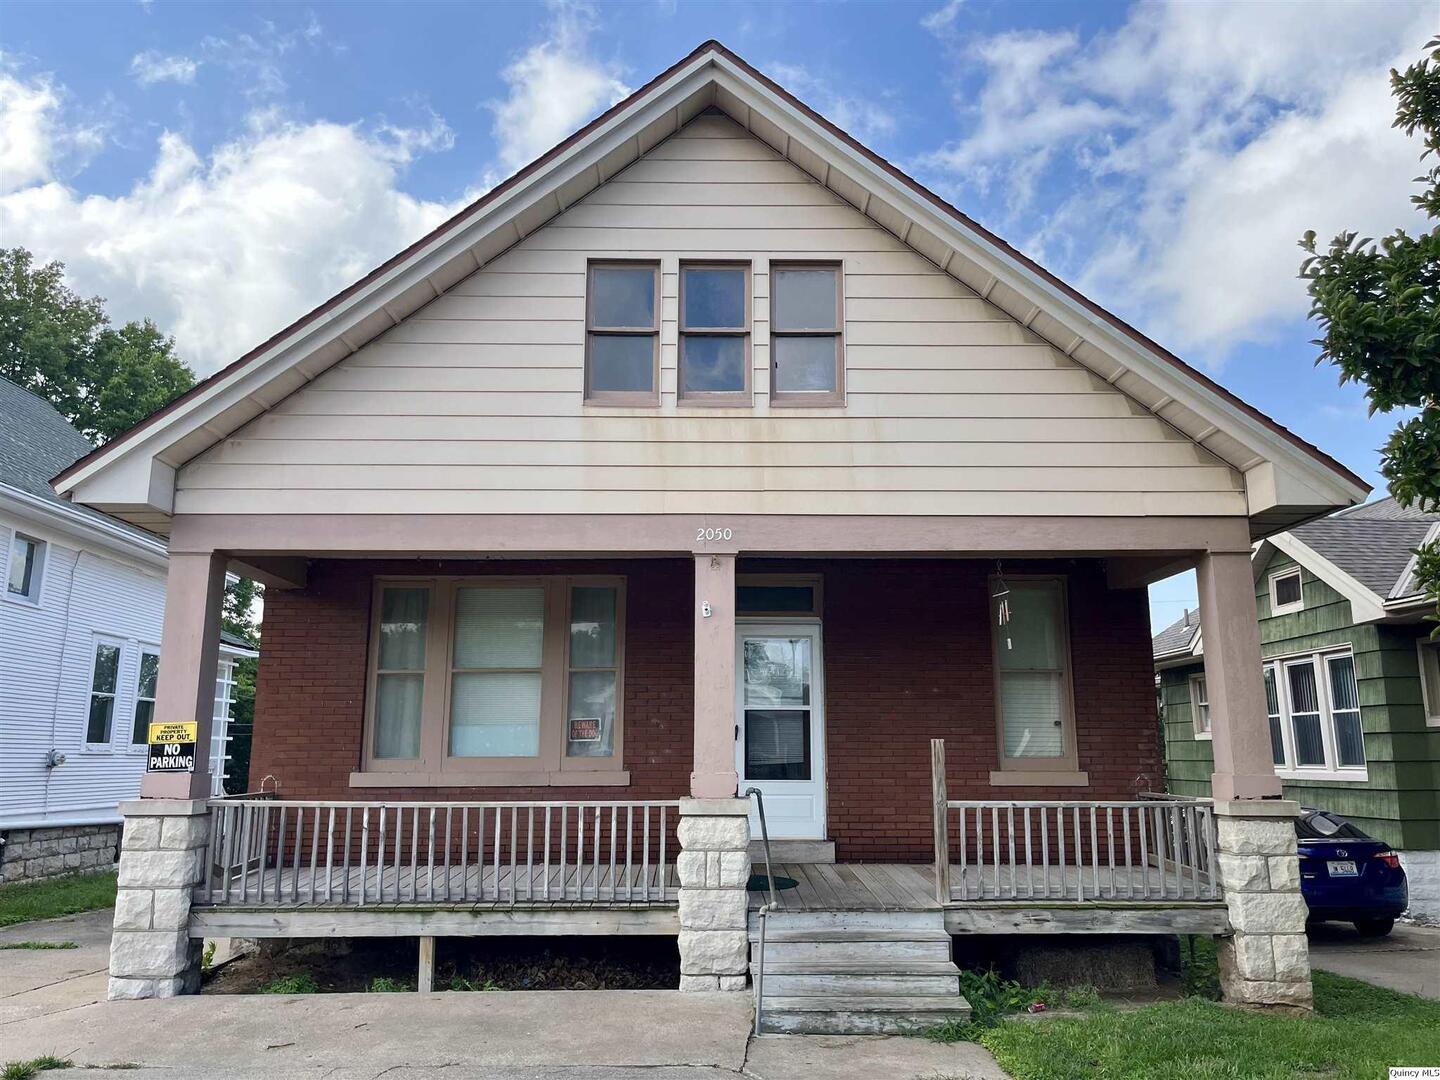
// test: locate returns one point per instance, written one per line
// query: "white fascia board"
(237, 652)
(1334, 489)
(331, 325)
(1365, 605)
(1406, 586)
(87, 531)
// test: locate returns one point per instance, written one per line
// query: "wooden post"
(942, 815)
(425, 981)
(714, 775)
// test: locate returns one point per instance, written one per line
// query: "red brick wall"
(907, 659)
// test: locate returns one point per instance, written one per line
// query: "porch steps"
(856, 972)
(792, 851)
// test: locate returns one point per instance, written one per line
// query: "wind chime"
(1001, 596)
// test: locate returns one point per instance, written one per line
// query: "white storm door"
(780, 726)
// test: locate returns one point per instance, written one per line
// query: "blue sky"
(224, 167)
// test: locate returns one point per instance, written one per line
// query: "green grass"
(24, 1070)
(292, 984)
(38, 945)
(1356, 1032)
(27, 900)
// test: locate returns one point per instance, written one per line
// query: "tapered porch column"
(714, 775)
(163, 846)
(1265, 959)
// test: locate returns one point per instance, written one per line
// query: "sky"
(222, 168)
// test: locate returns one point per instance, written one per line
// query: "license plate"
(1342, 868)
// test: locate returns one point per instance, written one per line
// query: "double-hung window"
(1429, 656)
(104, 682)
(1032, 676)
(27, 568)
(622, 333)
(1315, 718)
(496, 680)
(147, 676)
(714, 334)
(807, 352)
(1200, 706)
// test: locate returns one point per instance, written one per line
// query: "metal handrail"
(765, 909)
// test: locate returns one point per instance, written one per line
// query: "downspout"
(59, 678)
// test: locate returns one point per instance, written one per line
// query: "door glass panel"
(777, 744)
(777, 671)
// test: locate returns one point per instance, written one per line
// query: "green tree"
(239, 616)
(1378, 306)
(61, 346)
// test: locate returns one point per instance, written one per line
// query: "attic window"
(1285, 593)
(715, 333)
(807, 352)
(622, 333)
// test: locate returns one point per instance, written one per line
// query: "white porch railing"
(300, 853)
(1147, 849)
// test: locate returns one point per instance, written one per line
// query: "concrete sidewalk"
(1408, 959)
(52, 1002)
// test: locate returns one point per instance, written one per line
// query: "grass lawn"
(1357, 1031)
(27, 900)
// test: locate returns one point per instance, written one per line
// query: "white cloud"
(942, 18)
(222, 249)
(554, 87)
(34, 145)
(865, 118)
(1185, 153)
(256, 60)
(150, 67)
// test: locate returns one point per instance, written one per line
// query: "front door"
(780, 726)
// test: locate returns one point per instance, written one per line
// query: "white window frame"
(116, 696)
(1278, 716)
(140, 650)
(1329, 738)
(1200, 699)
(1427, 652)
(1277, 608)
(37, 576)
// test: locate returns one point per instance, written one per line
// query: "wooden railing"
(299, 853)
(1147, 849)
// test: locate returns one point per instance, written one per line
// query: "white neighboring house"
(81, 610)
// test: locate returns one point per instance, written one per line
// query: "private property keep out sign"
(172, 747)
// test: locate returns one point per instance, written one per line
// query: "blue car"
(1347, 876)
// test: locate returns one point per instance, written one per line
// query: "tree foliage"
(1378, 307)
(61, 346)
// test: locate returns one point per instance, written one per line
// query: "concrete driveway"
(52, 1002)
(1407, 960)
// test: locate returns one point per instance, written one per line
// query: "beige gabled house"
(712, 453)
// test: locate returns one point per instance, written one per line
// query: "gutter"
(75, 522)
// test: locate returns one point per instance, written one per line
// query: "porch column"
(166, 831)
(714, 774)
(1239, 728)
(1265, 959)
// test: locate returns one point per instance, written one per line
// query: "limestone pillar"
(714, 866)
(1265, 960)
(162, 859)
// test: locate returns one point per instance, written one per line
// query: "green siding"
(1400, 801)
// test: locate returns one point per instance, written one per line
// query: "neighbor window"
(104, 677)
(715, 333)
(1285, 592)
(622, 333)
(481, 679)
(1314, 706)
(1200, 707)
(1430, 680)
(1032, 664)
(147, 675)
(27, 567)
(806, 349)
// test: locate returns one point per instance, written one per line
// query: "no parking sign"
(172, 747)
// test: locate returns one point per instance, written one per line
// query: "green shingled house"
(1351, 676)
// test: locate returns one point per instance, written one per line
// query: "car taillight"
(1390, 859)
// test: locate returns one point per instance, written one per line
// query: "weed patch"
(298, 983)
(38, 945)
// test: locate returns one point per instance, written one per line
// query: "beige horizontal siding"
(474, 404)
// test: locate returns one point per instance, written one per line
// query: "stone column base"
(162, 859)
(714, 867)
(1265, 960)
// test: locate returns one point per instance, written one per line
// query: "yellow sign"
(186, 732)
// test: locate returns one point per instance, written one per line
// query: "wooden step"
(858, 949)
(858, 1014)
(790, 851)
(897, 978)
(849, 920)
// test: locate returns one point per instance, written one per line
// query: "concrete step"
(855, 949)
(858, 1014)
(790, 851)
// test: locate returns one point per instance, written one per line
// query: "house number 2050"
(703, 535)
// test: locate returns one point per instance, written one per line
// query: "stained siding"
(1398, 802)
(474, 404)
